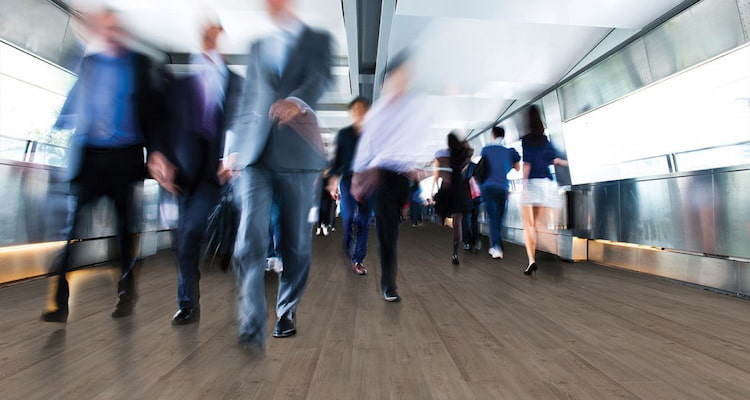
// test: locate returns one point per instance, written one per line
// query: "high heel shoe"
(454, 259)
(530, 269)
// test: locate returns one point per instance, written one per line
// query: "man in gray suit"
(276, 152)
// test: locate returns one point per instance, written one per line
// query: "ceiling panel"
(478, 58)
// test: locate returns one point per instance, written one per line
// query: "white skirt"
(541, 192)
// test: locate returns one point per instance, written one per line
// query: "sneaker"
(391, 296)
(359, 269)
(325, 230)
(332, 228)
(317, 232)
(496, 253)
(478, 245)
(467, 247)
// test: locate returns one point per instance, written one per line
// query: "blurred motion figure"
(354, 214)
(385, 160)
(499, 160)
(116, 108)
(277, 151)
(199, 108)
(539, 192)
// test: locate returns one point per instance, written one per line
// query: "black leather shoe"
(185, 316)
(124, 307)
(59, 315)
(284, 326)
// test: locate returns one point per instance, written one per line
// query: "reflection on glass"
(32, 92)
(713, 158)
(701, 108)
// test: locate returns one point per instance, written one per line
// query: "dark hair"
(359, 99)
(535, 120)
(535, 126)
(498, 131)
(454, 143)
(401, 58)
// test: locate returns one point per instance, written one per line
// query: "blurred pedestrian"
(453, 196)
(116, 108)
(499, 161)
(385, 160)
(540, 192)
(354, 214)
(199, 109)
(276, 150)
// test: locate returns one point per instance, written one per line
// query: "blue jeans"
(274, 230)
(258, 187)
(353, 214)
(495, 200)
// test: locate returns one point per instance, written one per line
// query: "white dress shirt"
(393, 134)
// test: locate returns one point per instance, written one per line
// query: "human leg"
(388, 200)
(348, 209)
(295, 202)
(457, 231)
(529, 234)
(194, 210)
(255, 191)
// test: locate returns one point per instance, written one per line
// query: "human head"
(210, 33)
(535, 124)
(454, 143)
(108, 29)
(358, 108)
(498, 132)
(398, 74)
(278, 9)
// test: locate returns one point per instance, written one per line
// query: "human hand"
(162, 171)
(223, 174)
(228, 168)
(284, 111)
(333, 186)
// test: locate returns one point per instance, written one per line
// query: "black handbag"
(221, 230)
(481, 171)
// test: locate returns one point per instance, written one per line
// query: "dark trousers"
(104, 173)
(195, 208)
(415, 210)
(390, 198)
(471, 223)
(324, 210)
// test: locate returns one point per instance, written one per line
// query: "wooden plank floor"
(481, 330)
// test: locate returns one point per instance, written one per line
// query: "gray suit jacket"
(254, 136)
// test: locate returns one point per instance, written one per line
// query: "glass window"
(32, 93)
(704, 107)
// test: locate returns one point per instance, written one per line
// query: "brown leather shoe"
(359, 269)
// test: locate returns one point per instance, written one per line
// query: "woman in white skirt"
(540, 192)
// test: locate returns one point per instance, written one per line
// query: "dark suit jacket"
(254, 136)
(196, 157)
(149, 98)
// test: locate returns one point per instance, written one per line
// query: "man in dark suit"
(277, 152)
(116, 107)
(198, 108)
